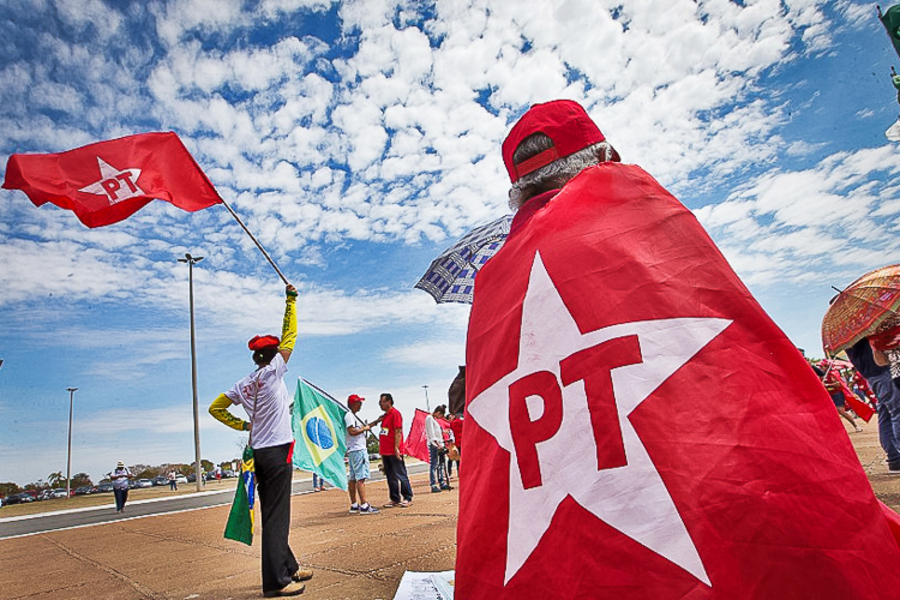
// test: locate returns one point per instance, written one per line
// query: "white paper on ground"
(426, 586)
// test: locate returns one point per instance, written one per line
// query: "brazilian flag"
(891, 21)
(240, 519)
(318, 422)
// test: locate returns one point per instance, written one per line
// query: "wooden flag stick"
(255, 241)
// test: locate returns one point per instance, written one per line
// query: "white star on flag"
(117, 185)
(630, 495)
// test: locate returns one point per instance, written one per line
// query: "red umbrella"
(868, 306)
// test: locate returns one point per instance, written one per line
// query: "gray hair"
(556, 174)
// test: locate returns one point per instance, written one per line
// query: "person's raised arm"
(289, 324)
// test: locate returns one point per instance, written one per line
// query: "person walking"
(266, 400)
(390, 445)
(173, 482)
(434, 436)
(357, 458)
(120, 477)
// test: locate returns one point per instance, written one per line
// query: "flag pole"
(255, 241)
(338, 402)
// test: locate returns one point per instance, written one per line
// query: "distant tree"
(372, 444)
(56, 479)
(36, 486)
(80, 479)
(146, 473)
(8, 487)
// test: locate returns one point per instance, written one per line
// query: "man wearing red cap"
(357, 458)
(637, 426)
(266, 400)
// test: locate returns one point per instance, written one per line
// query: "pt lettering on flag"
(109, 181)
(638, 427)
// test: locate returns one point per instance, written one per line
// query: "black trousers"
(273, 483)
(121, 498)
(397, 479)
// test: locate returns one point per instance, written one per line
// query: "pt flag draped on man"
(109, 181)
(618, 444)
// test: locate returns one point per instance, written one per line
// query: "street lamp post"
(71, 391)
(427, 405)
(191, 260)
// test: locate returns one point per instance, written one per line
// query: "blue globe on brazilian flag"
(318, 422)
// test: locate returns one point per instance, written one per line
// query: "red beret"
(260, 342)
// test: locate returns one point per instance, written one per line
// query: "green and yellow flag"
(240, 519)
(318, 422)
(891, 21)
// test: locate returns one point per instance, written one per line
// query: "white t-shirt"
(268, 404)
(354, 442)
(433, 432)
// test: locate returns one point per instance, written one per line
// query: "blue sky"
(359, 139)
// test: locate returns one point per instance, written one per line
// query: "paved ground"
(183, 556)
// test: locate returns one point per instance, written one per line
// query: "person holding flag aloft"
(266, 400)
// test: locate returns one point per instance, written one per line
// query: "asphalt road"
(12, 527)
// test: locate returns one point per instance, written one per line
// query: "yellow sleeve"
(289, 325)
(219, 410)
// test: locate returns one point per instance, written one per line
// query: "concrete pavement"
(184, 556)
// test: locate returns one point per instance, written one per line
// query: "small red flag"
(107, 182)
(616, 444)
(416, 446)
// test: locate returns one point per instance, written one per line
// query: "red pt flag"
(416, 445)
(616, 444)
(109, 181)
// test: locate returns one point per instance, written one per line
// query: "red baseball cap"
(260, 342)
(563, 121)
(355, 398)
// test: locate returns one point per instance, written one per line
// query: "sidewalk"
(184, 556)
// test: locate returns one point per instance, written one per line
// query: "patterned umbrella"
(451, 276)
(868, 306)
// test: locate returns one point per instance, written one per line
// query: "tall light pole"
(71, 391)
(191, 260)
(427, 405)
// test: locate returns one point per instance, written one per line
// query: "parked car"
(227, 473)
(160, 480)
(45, 495)
(105, 487)
(82, 490)
(181, 479)
(144, 483)
(59, 493)
(20, 498)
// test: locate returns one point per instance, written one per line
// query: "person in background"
(456, 426)
(173, 483)
(120, 477)
(266, 400)
(390, 445)
(831, 380)
(434, 437)
(318, 483)
(357, 458)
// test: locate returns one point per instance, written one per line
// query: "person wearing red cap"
(266, 400)
(551, 144)
(357, 458)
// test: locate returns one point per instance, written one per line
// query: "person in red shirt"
(456, 426)
(390, 446)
